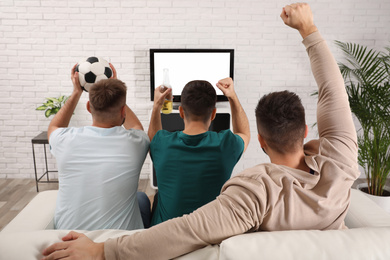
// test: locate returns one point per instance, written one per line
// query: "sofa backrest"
(356, 244)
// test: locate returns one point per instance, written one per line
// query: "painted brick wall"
(40, 40)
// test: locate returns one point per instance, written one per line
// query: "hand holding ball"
(92, 70)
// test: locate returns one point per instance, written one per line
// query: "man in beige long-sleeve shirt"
(304, 187)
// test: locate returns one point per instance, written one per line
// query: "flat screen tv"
(185, 65)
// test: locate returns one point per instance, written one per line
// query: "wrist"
(157, 107)
(77, 93)
(233, 98)
(307, 31)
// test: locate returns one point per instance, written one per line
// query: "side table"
(41, 139)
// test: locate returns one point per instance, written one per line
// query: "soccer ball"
(92, 70)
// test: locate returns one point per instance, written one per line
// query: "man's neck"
(104, 124)
(195, 127)
(292, 160)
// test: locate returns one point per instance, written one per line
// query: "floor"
(15, 194)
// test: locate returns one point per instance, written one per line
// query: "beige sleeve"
(236, 211)
(334, 117)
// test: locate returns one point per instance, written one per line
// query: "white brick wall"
(40, 40)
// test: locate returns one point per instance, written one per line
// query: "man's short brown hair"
(107, 96)
(280, 118)
(198, 100)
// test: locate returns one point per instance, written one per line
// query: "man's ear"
(123, 111)
(213, 114)
(262, 142)
(306, 131)
(89, 107)
(181, 112)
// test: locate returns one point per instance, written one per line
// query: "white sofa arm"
(37, 215)
(363, 212)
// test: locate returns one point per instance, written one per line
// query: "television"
(185, 65)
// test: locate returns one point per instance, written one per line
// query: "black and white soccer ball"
(92, 70)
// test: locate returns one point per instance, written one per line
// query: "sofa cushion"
(359, 243)
(29, 245)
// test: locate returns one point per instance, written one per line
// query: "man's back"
(98, 177)
(296, 199)
(191, 169)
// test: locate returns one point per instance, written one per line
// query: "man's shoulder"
(63, 131)
(256, 172)
(252, 178)
(136, 132)
(226, 134)
(165, 133)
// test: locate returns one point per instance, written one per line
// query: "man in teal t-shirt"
(192, 165)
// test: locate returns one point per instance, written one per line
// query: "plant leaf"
(43, 107)
(55, 110)
(48, 113)
(366, 75)
(52, 99)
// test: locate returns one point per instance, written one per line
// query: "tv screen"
(185, 65)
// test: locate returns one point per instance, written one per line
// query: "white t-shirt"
(98, 171)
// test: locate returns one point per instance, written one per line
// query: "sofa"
(368, 236)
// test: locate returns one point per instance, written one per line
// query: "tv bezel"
(177, 98)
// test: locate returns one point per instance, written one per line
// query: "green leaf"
(55, 110)
(48, 103)
(52, 99)
(41, 108)
(48, 113)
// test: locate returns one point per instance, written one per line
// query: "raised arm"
(62, 118)
(131, 120)
(334, 118)
(239, 119)
(155, 119)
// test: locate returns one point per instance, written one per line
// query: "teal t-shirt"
(191, 169)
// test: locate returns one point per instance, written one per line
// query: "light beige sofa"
(368, 236)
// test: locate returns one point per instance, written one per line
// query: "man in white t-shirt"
(99, 165)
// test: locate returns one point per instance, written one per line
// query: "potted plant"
(367, 81)
(52, 105)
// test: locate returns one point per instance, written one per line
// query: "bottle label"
(167, 107)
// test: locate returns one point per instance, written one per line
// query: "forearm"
(132, 121)
(222, 218)
(62, 118)
(334, 118)
(155, 122)
(239, 120)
